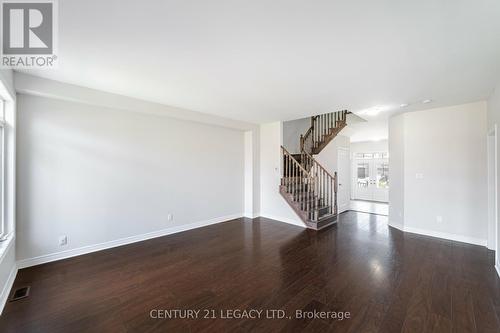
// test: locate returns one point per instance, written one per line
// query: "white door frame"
(348, 177)
(494, 133)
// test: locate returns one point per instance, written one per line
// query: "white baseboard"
(445, 235)
(251, 215)
(297, 222)
(119, 242)
(7, 287)
(397, 226)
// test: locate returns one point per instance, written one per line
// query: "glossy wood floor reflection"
(389, 282)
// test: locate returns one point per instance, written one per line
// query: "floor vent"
(20, 293)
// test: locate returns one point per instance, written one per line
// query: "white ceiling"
(262, 61)
(375, 130)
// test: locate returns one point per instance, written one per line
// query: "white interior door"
(371, 177)
(343, 174)
(380, 180)
(361, 186)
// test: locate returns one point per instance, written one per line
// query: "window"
(3, 227)
(369, 156)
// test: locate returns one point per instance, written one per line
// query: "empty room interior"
(261, 166)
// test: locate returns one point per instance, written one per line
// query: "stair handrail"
(309, 134)
(321, 125)
(287, 153)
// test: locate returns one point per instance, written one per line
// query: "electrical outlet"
(439, 219)
(63, 240)
(419, 176)
(170, 217)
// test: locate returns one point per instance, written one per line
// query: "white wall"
(252, 173)
(98, 174)
(369, 146)
(446, 147)
(328, 157)
(396, 169)
(8, 267)
(494, 119)
(292, 130)
(272, 204)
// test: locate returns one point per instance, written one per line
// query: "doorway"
(343, 163)
(493, 227)
(370, 177)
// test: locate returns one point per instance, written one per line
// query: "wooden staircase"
(308, 187)
(324, 128)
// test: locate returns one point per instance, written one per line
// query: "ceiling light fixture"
(426, 101)
(403, 105)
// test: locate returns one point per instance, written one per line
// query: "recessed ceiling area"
(261, 61)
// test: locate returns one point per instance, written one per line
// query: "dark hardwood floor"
(387, 280)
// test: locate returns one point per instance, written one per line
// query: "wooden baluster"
(327, 190)
(282, 161)
(319, 130)
(326, 124)
(289, 188)
(318, 194)
(321, 127)
(316, 123)
(287, 165)
(330, 194)
(321, 196)
(304, 187)
(318, 173)
(335, 189)
(301, 190)
(323, 185)
(308, 203)
(294, 179)
(320, 185)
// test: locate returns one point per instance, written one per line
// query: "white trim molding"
(252, 215)
(494, 132)
(396, 225)
(284, 220)
(445, 235)
(122, 241)
(7, 287)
